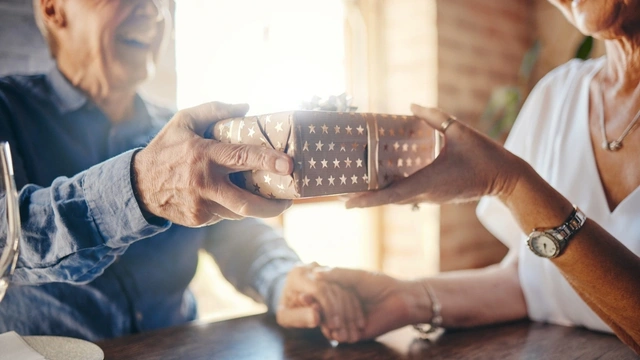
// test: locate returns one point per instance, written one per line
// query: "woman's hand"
(184, 178)
(469, 166)
(387, 303)
(308, 302)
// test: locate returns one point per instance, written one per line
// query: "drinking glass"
(9, 212)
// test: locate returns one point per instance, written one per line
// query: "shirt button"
(138, 316)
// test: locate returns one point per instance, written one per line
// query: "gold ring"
(445, 124)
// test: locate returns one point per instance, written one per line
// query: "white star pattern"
(342, 148)
(312, 164)
(409, 162)
(241, 126)
(331, 179)
(399, 162)
(251, 132)
(396, 146)
(405, 147)
(336, 163)
(268, 119)
(414, 147)
(279, 127)
(318, 181)
(281, 187)
(337, 129)
(319, 146)
(360, 130)
(325, 129)
(349, 128)
(312, 129)
(305, 181)
(324, 163)
(354, 179)
(305, 147)
(267, 179)
(365, 178)
(343, 179)
(348, 162)
(331, 146)
(359, 163)
(381, 131)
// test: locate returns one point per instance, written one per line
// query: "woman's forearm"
(602, 270)
(480, 297)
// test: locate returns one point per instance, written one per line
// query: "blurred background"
(477, 59)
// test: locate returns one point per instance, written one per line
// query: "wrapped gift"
(334, 153)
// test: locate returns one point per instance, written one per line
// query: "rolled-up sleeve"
(74, 229)
(254, 257)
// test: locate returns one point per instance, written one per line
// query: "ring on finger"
(445, 124)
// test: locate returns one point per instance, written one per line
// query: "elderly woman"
(102, 210)
(562, 195)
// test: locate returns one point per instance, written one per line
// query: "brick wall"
(449, 53)
(480, 47)
(22, 49)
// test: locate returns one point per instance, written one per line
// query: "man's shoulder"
(21, 84)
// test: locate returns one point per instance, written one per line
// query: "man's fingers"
(238, 157)
(202, 116)
(245, 203)
(300, 317)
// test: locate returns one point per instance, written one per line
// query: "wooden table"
(258, 337)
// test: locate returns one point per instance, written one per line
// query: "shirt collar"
(68, 98)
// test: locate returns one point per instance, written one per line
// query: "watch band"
(573, 223)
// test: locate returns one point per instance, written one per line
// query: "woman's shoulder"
(569, 72)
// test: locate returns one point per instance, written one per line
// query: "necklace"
(616, 144)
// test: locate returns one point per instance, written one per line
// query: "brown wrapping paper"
(334, 153)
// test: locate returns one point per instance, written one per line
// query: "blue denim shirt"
(90, 265)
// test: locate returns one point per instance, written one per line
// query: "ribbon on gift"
(334, 153)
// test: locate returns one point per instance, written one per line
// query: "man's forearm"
(75, 228)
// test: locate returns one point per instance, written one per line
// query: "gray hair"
(44, 30)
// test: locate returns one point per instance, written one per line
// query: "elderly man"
(112, 228)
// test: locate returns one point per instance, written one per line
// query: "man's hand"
(184, 178)
(388, 303)
(309, 303)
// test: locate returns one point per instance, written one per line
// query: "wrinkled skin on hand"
(184, 178)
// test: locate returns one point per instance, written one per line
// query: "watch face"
(544, 245)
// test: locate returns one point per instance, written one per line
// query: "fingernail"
(282, 165)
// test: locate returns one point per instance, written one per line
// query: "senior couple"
(118, 195)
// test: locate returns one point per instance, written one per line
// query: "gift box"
(334, 153)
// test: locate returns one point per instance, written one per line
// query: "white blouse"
(552, 134)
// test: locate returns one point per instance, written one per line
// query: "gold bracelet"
(434, 327)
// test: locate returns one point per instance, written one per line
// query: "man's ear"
(53, 15)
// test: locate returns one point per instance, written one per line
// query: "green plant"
(505, 102)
